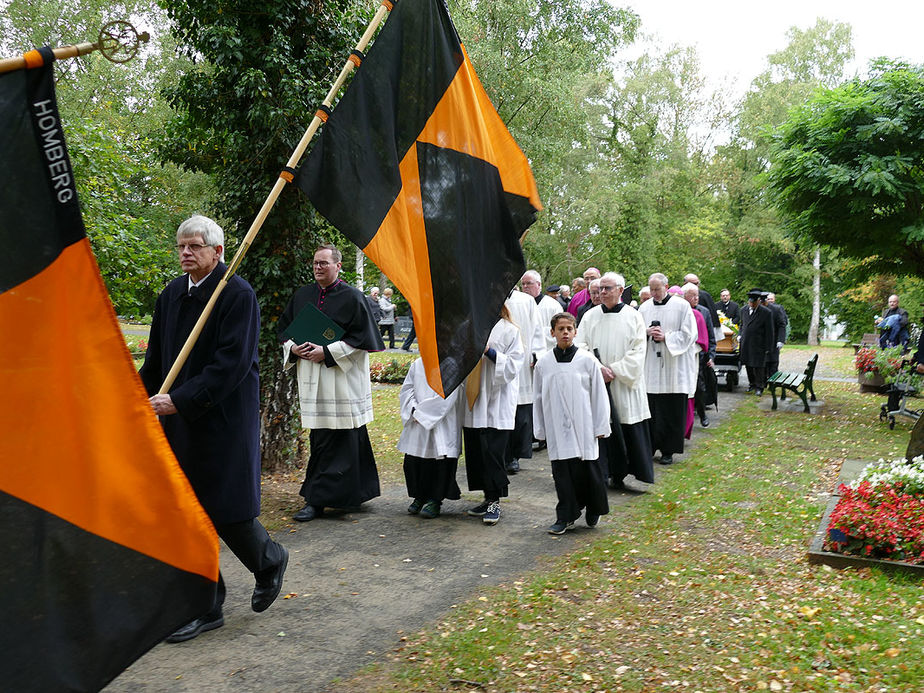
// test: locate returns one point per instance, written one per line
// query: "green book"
(311, 325)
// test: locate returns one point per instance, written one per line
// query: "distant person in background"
(593, 290)
(755, 341)
(546, 304)
(706, 301)
(583, 296)
(644, 294)
(780, 321)
(728, 307)
(564, 296)
(387, 321)
(373, 300)
(893, 325)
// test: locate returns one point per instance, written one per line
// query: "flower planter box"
(871, 384)
(818, 556)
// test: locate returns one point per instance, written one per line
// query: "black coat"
(705, 299)
(216, 432)
(780, 321)
(731, 311)
(757, 336)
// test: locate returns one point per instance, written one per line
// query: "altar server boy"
(571, 412)
(431, 442)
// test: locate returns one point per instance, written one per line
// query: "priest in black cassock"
(211, 414)
(334, 391)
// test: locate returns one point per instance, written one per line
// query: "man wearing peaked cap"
(756, 340)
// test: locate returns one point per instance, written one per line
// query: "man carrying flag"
(416, 168)
(212, 413)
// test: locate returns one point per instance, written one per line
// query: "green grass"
(702, 585)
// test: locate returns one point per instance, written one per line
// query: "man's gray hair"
(198, 225)
(618, 279)
(661, 278)
(594, 282)
(532, 274)
(690, 287)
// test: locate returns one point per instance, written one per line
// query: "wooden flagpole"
(113, 41)
(284, 178)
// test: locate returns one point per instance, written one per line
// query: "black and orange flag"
(416, 167)
(106, 549)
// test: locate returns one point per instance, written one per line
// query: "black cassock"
(756, 337)
(216, 433)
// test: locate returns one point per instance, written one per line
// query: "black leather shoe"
(591, 519)
(705, 421)
(667, 459)
(513, 466)
(308, 513)
(265, 594)
(199, 625)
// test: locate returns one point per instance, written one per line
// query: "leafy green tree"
(256, 77)
(847, 169)
(544, 65)
(131, 204)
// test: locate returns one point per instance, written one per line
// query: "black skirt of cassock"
(638, 449)
(668, 422)
(520, 444)
(341, 470)
(431, 479)
(579, 484)
(485, 466)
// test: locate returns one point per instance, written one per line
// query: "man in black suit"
(755, 340)
(211, 415)
(729, 307)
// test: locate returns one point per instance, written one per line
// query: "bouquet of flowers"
(725, 321)
(881, 514)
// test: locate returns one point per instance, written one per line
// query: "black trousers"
(390, 331)
(757, 376)
(485, 466)
(411, 336)
(249, 541)
(668, 422)
(579, 484)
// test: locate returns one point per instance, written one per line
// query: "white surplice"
(548, 307)
(525, 315)
(570, 409)
(432, 425)
(496, 405)
(671, 366)
(336, 397)
(620, 339)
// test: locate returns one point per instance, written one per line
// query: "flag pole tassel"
(285, 177)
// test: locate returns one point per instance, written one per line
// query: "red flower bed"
(883, 523)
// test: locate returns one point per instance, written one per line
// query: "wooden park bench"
(870, 339)
(800, 383)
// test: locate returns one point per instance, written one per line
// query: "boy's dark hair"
(563, 316)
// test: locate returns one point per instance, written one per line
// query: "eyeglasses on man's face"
(194, 247)
(607, 288)
(321, 263)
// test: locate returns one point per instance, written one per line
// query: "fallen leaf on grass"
(290, 595)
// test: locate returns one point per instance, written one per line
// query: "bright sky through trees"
(733, 38)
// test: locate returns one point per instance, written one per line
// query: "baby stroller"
(899, 392)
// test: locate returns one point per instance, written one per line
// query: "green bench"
(800, 383)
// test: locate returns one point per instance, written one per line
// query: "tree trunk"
(816, 298)
(360, 270)
(280, 430)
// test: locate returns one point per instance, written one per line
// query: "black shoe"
(591, 519)
(758, 392)
(193, 628)
(478, 511)
(705, 421)
(560, 528)
(266, 593)
(616, 484)
(415, 507)
(667, 459)
(308, 513)
(430, 509)
(513, 466)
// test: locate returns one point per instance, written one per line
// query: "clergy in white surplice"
(615, 333)
(571, 413)
(489, 413)
(671, 366)
(545, 305)
(525, 316)
(431, 442)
